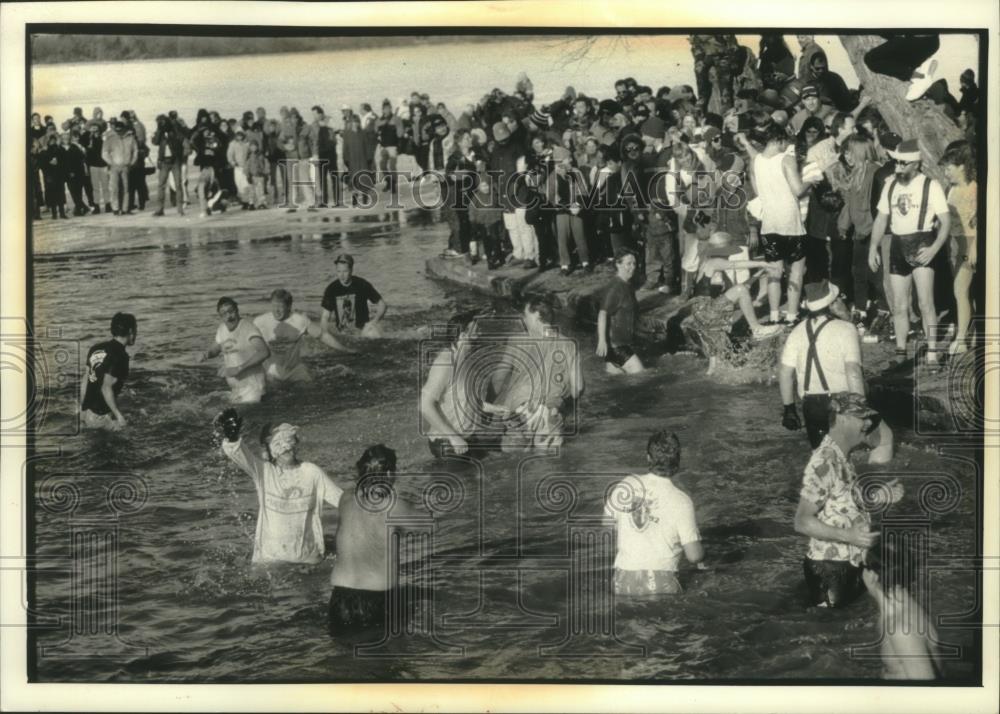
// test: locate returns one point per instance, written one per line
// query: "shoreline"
(906, 395)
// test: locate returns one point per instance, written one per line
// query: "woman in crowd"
(53, 160)
(959, 166)
(855, 222)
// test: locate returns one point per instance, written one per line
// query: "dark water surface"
(506, 595)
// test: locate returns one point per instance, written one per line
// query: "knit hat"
(654, 127)
(771, 98)
(907, 150)
(610, 106)
(541, 119)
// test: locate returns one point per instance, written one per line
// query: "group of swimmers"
(653, 516)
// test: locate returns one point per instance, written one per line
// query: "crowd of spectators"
(699, 142)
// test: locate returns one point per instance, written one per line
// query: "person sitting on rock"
(721, 283)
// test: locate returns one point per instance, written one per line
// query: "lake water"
(187, 591)
(189, 604)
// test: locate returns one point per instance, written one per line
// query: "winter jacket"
(120, 149)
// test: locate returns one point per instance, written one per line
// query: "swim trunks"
(618, 355)
(903, 252)
(835, 583)
(636, 583)
(780, 247)
(353, 611)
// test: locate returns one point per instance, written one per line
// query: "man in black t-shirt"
(346, 301)
(617, 318)
(107, 370)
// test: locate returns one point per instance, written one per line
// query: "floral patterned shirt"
(829, 483)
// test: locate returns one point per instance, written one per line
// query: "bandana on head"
(282, 439)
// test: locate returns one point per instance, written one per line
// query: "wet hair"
(122, 324)
(225, 300)
(283, 295)
(664, 452)
(895, 561)
(460, 322)
(318, 108)
(543, 305)
(961, 153)
(377, 460)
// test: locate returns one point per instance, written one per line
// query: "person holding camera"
(170, 158)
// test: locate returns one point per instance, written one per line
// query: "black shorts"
(903, 252)
(835, 583)
(353, 611)
(618, 355)
(777, 247)
(816, 415)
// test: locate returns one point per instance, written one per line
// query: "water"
(186, 590)
(188, 593)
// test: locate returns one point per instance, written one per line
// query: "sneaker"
(763, 331)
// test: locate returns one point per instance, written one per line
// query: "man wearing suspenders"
(910, 206)
(823, 355)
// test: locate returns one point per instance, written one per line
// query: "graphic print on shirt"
(345, 311)
(642, 513)
(904, 202)
(96, 360)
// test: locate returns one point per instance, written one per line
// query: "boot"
(54, 214)
(62, 212)
(96, 210)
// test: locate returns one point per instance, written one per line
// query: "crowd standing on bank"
(772, 181)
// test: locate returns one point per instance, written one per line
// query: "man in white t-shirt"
(823, 356)
(910, 207)
(243, 353)
(290, 493)
(655, 523)
(284, 330)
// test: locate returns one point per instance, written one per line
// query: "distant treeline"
(54, 49)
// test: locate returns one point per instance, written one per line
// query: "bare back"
(363, 542)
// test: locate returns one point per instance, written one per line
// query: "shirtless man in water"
(365, 589)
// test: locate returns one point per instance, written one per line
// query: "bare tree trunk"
(922, 120)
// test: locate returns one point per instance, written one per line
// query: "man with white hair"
(290, 493)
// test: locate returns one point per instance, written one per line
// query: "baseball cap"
(810, 90)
